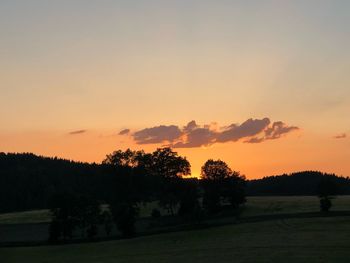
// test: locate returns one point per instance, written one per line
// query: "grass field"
(293, 240)
(35, 216)
(290, 204)
(254, 206)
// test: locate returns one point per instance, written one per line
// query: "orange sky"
(301, 150)
(110, 65)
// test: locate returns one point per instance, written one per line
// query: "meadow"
(293, 240)
(255, 205)
(309, 240)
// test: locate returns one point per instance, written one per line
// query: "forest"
(28, 181)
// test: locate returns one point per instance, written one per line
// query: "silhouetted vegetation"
(327, 189)
(28, 181)
(70, 212)
(107, 221)
(74, 192)
(221, 185)
(301, 183)
(125, 215)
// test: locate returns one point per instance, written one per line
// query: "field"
(290, 204)
(254, 206)
(283, 240)
(294, 240)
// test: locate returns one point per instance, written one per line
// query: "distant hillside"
(301, 183)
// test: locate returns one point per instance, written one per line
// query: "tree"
(54, 231)
(213, 174)
(88, 217)
(69, 212)
(215, 170)
(221, 184)
(121, 158)
(107, 221)
(125, 215)
(189, 205)
(326, 192)
(64, 209)
(234, 189)
(166, 164)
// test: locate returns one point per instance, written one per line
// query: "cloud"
(190, 126)
(124, 132)
(255, 140)
(158, 134)
(278, 129)
(77, 132)
(196, 138)
(272, 132)
(248, 128)
(340, 136)
(194, 135)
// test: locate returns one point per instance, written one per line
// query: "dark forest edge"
(27, 181)
(74, 192)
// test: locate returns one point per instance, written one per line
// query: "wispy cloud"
(124, 132)
(340, 136)
(194, 135)
(274, 131)
(77, 132)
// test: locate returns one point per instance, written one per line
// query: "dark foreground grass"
(294, 240)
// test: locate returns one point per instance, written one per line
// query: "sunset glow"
(267, 84)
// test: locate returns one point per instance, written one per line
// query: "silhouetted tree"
(234, 189)
(169, 166)
(64, 209)
(221, 184)
(215, 171)
(125, 215)
(326, 192)
(189, 204)
(325, 203)
(155, 213)
(88, 215)
(70, 212)
(121, 158)
(107, 221)
(55, 231)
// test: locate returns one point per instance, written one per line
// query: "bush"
(325, 204)
(155, 213)
(54, 231)
(125, 216)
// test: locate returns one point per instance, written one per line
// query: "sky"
(262, 85)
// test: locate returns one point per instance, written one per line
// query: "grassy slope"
(35, 216)
(290, 204)
(254, 206)
(294, 240)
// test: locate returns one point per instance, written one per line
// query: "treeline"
(147, 177)
(28, 181)
(301, 183)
